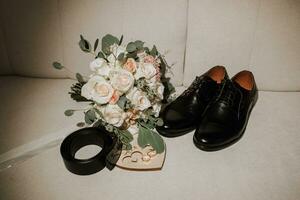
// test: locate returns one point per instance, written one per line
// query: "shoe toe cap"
(212, 134)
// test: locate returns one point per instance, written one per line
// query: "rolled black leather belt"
(107, 157)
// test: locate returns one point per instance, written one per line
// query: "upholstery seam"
(186, 40)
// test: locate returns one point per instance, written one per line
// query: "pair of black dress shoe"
(216, 106)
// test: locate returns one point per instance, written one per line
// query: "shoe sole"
(171, 134)
(223, 146)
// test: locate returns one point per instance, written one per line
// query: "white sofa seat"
(32, 108)
(264, 164)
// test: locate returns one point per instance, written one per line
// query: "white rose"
(113, 114)
(156, 109)
(152, 81)
(146, 70)
(100, 66)
(160, 90)
(138, 99)
(97, 89)
(121, 80)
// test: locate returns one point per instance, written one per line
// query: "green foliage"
(107, 41)
(69, 113)
(121, 57)
(84, 45)
(57, 65)
(80, 124)
(139, 44)
(125, 136)
(96, 44)
(124, 103)
(149, 137)
(90, 116)
(130, 47)
(168, 88)
(76, 92)
(121, 40)
(134, 46)
(79, 78)
(153, 51)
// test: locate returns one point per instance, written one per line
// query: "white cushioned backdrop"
(50, 31)
(258, 35)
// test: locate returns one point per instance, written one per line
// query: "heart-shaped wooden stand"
(140, 159)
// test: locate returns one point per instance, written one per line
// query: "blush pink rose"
(115, 97)
(130, 65)
(149, 59)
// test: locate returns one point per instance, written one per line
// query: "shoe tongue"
(209, 79)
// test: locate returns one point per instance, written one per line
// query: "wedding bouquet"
(126, 88)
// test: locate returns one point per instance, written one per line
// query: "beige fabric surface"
(260, 35)
(49, 31)
(263, 165)
(32, 108)
(32, 36)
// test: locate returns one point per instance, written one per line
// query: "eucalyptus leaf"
(157, 142)
(107, 41)
(121, 40)
(99, 113)
(80, 124)
(153, 51)
(139, 44)
(69, 113)
(142, 140)
(79, 78)
(127, 146)
(122, 102)
(57, 65)
(121, 56)
(131, 47)
(132, 55)
(78, 97)
(84, 44)
(90, 116)
(96, 44)
(127, 135)
(149, 137)
(87, 120)
(147, 50)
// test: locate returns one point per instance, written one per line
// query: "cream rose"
(156, 109)
(138, 99)
(121, 80)
(113, 114)
(100, 66)
(149, 59)
(146, 70)
(130, 65)
(160, 90)
(97, 89)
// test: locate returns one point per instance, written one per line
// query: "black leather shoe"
(182, 115)
(226, 117)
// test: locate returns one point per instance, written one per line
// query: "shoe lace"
(227, 94)
(194, 86)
